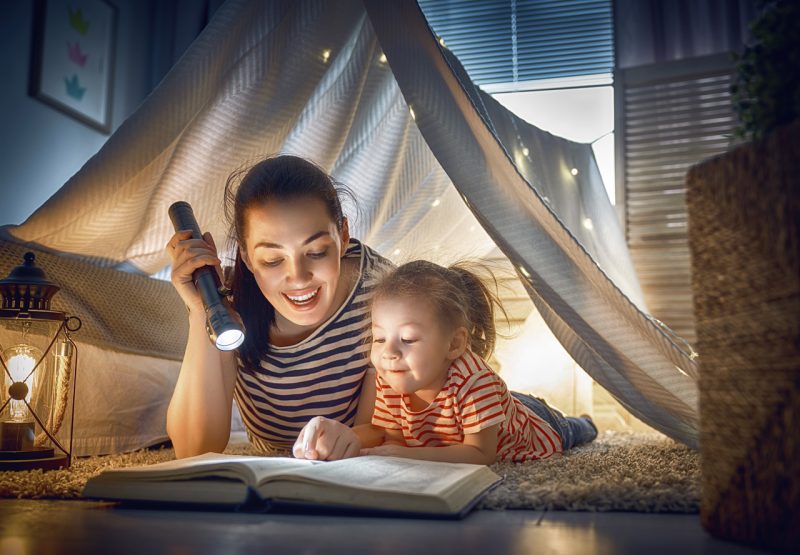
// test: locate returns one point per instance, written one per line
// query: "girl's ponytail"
(478, 302)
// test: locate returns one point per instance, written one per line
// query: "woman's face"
(294, 250)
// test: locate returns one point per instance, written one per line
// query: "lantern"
(38, 362)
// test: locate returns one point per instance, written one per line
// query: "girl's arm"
(368, 434)
(478, 448)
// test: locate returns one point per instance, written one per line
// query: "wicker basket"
(744, 237)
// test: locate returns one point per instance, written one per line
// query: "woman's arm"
(478, 448)
(199, 413)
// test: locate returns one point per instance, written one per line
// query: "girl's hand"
(388, 449)
(324, 439)
(188, 255)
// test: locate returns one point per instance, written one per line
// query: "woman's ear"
(458, 343)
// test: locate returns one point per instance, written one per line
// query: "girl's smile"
(411, 350)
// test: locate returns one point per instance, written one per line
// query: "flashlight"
(224, 325)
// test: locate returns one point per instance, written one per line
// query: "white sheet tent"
(308, 77)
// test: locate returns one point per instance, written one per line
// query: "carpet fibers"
(617, 472)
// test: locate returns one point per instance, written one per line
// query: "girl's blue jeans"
(574, 430)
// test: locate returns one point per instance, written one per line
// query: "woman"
(301, 286)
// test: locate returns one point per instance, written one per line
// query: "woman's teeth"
(302, 299)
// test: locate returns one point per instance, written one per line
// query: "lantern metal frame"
(26, 295)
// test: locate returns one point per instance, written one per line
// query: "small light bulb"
(524, 271)
(413, 115)
(382, 58)
(525, 151)
(574, 171)
(436, 203)
(441, 41)
(326, 54)
(20, 361)
(587, 223)
(396, 252)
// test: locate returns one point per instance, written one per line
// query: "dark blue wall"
(40, 146)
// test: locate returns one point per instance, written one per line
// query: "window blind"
(512, 41)
(674, 115)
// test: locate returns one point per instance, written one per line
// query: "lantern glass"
(36, 425)
(36, 359)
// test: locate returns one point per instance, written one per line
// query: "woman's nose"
(298, 270)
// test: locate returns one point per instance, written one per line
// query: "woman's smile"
(304, 299)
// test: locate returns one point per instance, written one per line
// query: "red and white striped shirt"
(472, 399)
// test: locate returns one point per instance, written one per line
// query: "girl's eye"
(319, 254)
(378, 340)
(409, 341)
(271, 263)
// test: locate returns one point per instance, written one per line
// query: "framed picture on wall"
(72, 65)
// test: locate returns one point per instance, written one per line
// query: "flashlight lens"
(229, 340)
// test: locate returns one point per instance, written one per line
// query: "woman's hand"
(188, 255)
(324, 439)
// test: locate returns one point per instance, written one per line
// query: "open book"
(369, 484)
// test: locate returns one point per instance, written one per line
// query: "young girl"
(436, 396)
(301, 285)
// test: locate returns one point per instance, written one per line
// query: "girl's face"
(294, 251)
(411, 349)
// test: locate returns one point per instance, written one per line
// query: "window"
(519, 41)
(550, 62)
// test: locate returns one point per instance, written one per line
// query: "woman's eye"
(271, 263)
(409, 341)
(318, 254)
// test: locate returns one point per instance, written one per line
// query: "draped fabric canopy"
(425, 152)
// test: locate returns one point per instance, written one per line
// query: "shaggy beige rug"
(616, 472)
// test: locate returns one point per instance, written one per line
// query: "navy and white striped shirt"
(319, 376)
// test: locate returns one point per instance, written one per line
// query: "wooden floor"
(29, 527)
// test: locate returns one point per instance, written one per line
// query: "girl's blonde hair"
(459, 297)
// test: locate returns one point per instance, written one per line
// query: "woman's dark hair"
(459, 297)
(278, 178)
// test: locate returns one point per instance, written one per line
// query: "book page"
(386, 474)
(247, 468)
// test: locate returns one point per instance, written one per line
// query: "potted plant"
(744, 239)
